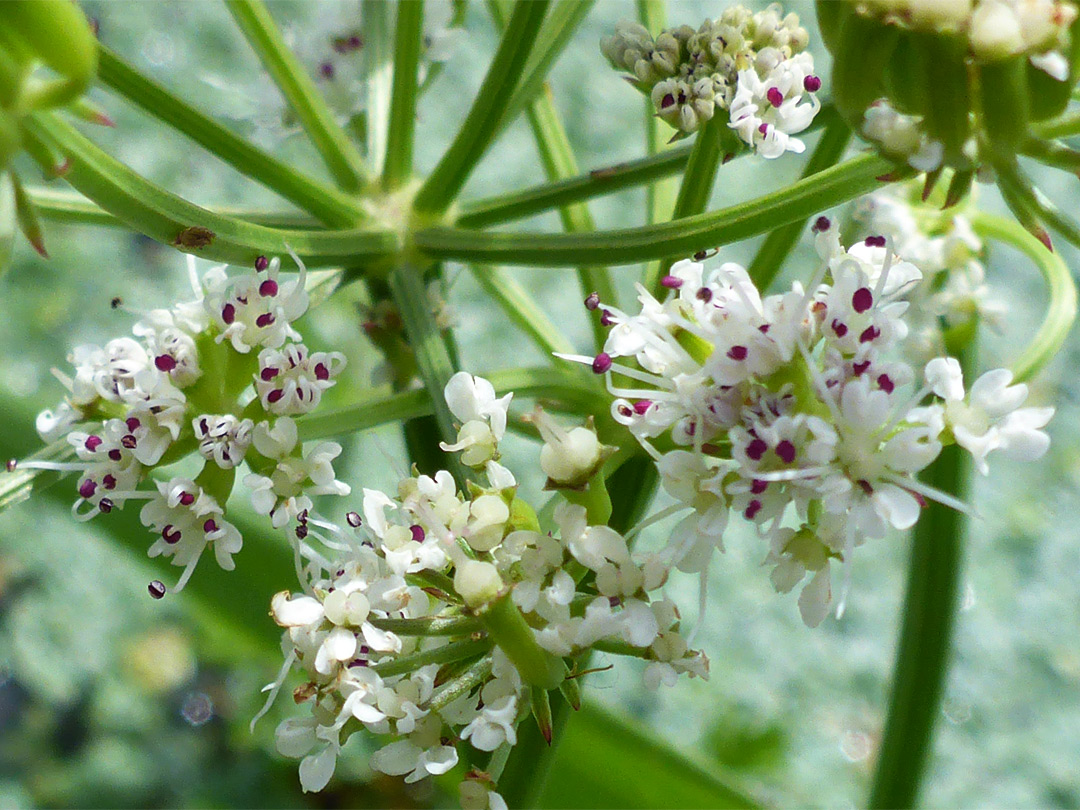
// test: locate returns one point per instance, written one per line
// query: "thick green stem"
(778, 245)
(161, 215)
(478, 130)
(683, 237)
(429, 626)
(509, 630)
(325, 202)
(922, 655)
(605, 180)
(338, 152)
(696, 188)
(454, 651)
(399, 145)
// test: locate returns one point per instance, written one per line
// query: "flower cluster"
(439, 617)
(219, 376)
(752, 66)
(792, 411)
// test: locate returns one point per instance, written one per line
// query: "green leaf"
(161, 215)
(338, 152)
(681, 237)
(606, 761)
(325, 202)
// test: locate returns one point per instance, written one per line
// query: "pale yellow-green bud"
(477, 582)
(995, 31)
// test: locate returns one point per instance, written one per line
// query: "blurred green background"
(108, 698)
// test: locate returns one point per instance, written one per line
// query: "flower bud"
(569, 458)
(995, 31)
(477, 582)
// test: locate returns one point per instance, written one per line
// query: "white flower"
(222, 438)
(291, 380)
(171, 347)
(256, 309)
(767, 111)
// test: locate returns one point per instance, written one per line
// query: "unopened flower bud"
(478, 582)
(569, 458)
(995, 31)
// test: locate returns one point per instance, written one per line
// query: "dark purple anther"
(321, 372)
(115, 455)
(886, 383)
(821, 224)
(756, 449)
(860, 368)
(752, 509)
(737, 353)
(275, 395)
(869, 333)
(265, 319)
(301, 531)
(353, 519)
(228, 313)
(268, 289)
(775, 97)
(12, 464)
(865, 485)
(170, 534)
(667, 101)
(839, 327)
(875, 241)
(87, 488)
(417, 532)
(92, 443)
(763, 129)
(786, 451)
(129, 442)
(105, 505)
(601, 363)
(811, 84)
(268, 373)
(210, 526)
(641, 406)
(132, 423)
(592, 301)
(326, 69)
(671, 282)
(704, 294)
(261, 263)
(165, 362)
(156, 589)
(186, 499)
(862, 299)
(109, 481)
(757, 486)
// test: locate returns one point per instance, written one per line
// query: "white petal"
(316, 769)
(295, 612)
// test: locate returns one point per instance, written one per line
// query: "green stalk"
(509, 630)
(557, 156)
(555, 33)
(397, 167)
(922, 655)
(155, 212)
(780, 242)
(478, 129)
(322, 201)
(595, 183)
(522, 309)
(342, 159)
(377, 57)
(1067, 126)
(1061, 312)
(1052, 153)
(429, 626)
(681, 237)
(59, 205)
(695, 189)
(432, 354)
(454, 651)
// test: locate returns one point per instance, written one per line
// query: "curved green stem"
(325, 202)
(155, 212)
(1061, 312)
(778, 245)
(454, 651)
(397, 166)
(922, 654)
(478, 130)
(1064, 127)
(682, 237)
(1052, 154)
(338, 153)
(605, 180)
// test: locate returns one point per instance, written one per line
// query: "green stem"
(322, 201)
(432, 354)
(554, 35)
(1064, 127)
(696, 187)
(509, 630)
(454, 651)
(464, 683)
(522, 309)
(429, 626)
(1052, 154)
(478, 130)
(397, 167)
(605, 180)
(682, 237)
(377, 65)
(155, 212)
(1061, 312)
(922, 654)
(59, 205)
(338, 153)
(778, 245)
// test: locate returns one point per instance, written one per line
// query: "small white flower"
(291, 380)
(223, 439)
